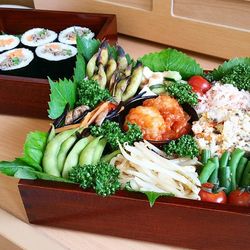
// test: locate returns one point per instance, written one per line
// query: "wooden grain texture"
(236, 13)
(10, 199)
(129, 215)
(162, 26)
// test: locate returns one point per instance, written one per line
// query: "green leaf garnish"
(171, 59)
(34, 148)
(227, 66)
(80, 69)
(61, 93)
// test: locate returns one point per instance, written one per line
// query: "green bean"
(205, 156)
(99, 150)
(214, 176)
(206, 172)
(52, 150)
(52, 133)
(240, 169)
(224, 159)
(87, 154)
(233, 163)
(225, 178)
(73, 156)
(108, 157)
(65, 147)
(245, 180)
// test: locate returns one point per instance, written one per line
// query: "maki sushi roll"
(16, 62)
(57, 60)
(68, 35)
(8, 42)
(38, 36)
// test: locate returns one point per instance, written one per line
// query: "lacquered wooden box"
(29, 96)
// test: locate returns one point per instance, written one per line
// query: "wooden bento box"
(172, 221)
(17, 91)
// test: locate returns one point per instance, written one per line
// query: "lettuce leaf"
(171, 59)
(34, 148)
(224, 68)
(61, 93)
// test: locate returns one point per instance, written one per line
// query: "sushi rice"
(38, 36)
(15, 59)
(8, 42)
(56, 51)
(68, 36)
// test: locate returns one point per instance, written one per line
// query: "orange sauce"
(17, 53)
(5, 42)
(160, 118)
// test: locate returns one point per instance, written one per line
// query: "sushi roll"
(16, 62)
(57, 60)
(37, 37)
(8, 42)
(68, 35)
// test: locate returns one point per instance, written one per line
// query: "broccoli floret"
(182, 92)
(112, 131)
(102, 177)
(185, 146)
(90, 93)
(238, 76)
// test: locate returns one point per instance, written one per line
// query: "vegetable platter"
(33, 78)
(155, 137)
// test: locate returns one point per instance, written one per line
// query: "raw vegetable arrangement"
(158, 125)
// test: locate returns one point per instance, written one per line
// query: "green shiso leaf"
(22, 170)
(224, 68)
(80, 69)
(152, 196)
(171, 59)
(87, 47)
(34, 148)
(61, 93)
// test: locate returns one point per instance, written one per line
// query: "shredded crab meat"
(146, 170)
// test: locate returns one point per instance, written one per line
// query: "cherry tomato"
(239, 197)
(208, 194)
(199, 84)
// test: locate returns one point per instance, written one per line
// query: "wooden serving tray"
(172, 221)
(29, 96)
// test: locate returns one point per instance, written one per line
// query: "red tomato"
(239, 197)
(199, 84)
(206, 193)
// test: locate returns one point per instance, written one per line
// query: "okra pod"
(240, 169)
(245, 180)
(233, 163)
(206, 172)
(224, 159)
(214, 176)
(225, 178)
(205, 156)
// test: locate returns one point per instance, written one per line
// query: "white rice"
(42, 52)
(68, 35)
(33, 43)
(14, 42)
(27, 57)
(224, 96)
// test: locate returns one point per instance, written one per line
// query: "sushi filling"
(8, 42)
(56, 50)
(41, 35)
(12, 59)
(80, 32)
